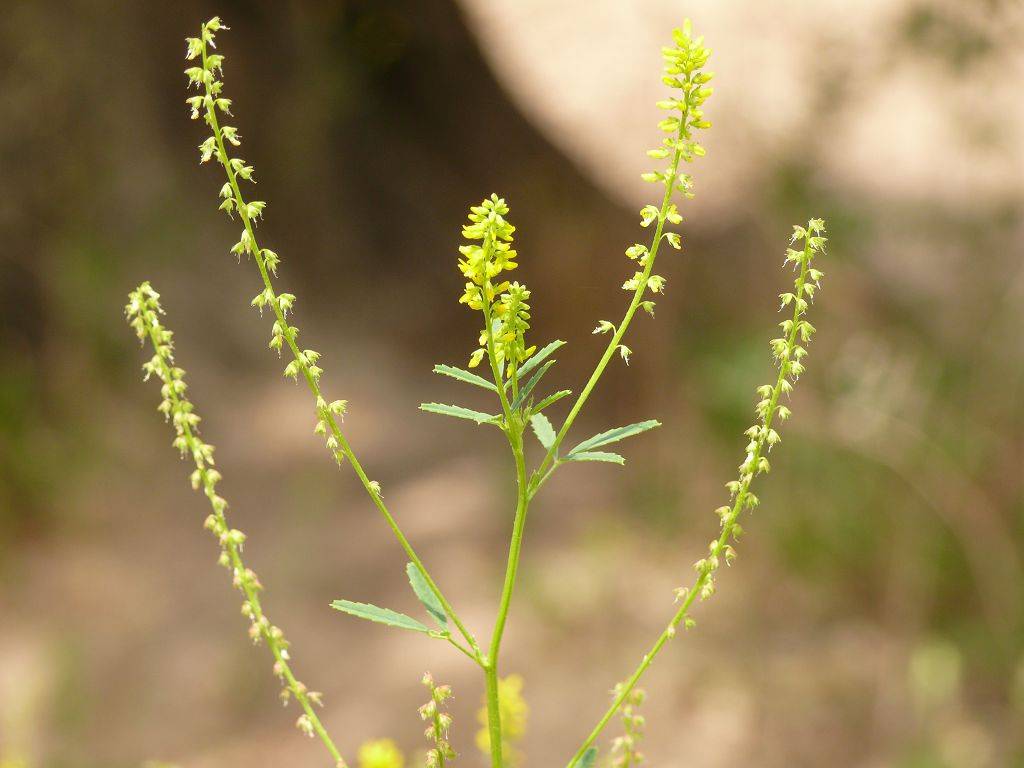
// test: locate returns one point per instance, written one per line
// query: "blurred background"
(876, 614)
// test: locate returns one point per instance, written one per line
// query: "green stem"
(493, 714)
(539, 474)
(728, 525)
(492, 357)
(515, 548)
(438, 732)
(314, 387)
(472, 656)
(514, 432)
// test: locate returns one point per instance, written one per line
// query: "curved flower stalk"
(143, 312)
(304, 362)
(789, 352)
(684, 62)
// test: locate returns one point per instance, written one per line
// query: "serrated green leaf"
(538, 357)
(466, 376)
(380, 615)
(426, 595)
(550, 399)
(528, 387)
(543, 430)
(612, 458)
(614, 435)
(459, 412)
(588, 758)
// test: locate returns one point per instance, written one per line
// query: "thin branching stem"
(541, 474)
(763, 436)
(143, 311)
(303, 365)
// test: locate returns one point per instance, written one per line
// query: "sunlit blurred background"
(875, 616)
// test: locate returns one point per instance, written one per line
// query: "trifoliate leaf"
(466, 376)
(426, 595)
(459, 412)
(380, 615)
(614, 435)
(611, 458)
(543, 430)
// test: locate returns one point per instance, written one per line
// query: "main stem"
(511, 571)
(314, 387)
(514, 432)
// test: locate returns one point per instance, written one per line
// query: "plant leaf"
(543, 430)
(380, 615)
(538, 357)
(528, 388)
(614, 435)
(459, 412)
(588, 758)
(612, 458)
(466, 376)
(549, 400)
(426, 595)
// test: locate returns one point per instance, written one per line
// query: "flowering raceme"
(505, 320)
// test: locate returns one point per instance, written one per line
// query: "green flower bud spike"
(143, 312)
(788, 351)
(284, 336)
(439, 723)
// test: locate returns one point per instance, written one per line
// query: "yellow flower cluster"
(504, 304)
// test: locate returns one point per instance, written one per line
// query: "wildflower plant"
(511, 368)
